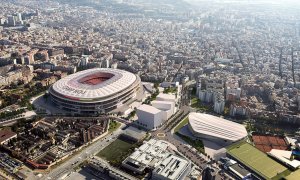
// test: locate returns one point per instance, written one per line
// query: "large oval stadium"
(94, 91)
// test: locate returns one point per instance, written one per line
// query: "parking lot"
(9, 164)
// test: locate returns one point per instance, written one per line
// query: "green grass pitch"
(258, 161)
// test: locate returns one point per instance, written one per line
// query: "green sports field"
(257, 161)
(117, 151)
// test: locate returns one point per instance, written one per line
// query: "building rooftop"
(172, 167)
(5, 135)
(284, 157)
(163, 105)
(217, 127)
(293, 176)
(153, 154)
(256, 160)
(165, 96)
(162, 102)
(148, 108)
(240, 171)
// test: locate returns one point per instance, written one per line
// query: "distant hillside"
(108, 5)
(179, 5)
(176, 3)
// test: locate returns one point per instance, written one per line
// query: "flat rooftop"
(149, 153)
(6, 134)
(293, 176)
(285, 157)
(154, 154)
(148, 108)
(172, 167)
(162, 102)
(166, 96)
(256, 160)
(239, 170)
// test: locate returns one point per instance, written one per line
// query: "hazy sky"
(251, 1)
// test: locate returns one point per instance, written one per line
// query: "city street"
(200, 160)
(198, 74)
(196, 157)
(66, 168)
(91, 150)
(165, 131)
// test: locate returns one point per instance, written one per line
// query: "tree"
(13, 85)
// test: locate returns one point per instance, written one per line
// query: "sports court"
(256, 160)
(266, 143)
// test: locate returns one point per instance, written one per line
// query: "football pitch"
(258, 161)
(116, 151)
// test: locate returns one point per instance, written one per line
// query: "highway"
(67, 167)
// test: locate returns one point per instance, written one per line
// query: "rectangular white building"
(172, 168)
(167, 108)
(146, 156)
(149, 117)
(154, 155)
(166, 97)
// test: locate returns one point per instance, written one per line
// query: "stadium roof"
(94, 83)
(217, 127)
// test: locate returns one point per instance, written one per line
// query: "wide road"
(67, 167)
(165, 131)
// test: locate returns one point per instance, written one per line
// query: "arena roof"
(214, 126)
(94, 83)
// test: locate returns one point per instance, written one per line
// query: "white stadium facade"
(94, 91)
(216, 129)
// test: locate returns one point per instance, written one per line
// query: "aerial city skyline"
(150, 89)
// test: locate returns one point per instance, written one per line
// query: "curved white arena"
(98, 90)
(215, 128)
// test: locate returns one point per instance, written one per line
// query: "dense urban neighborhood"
(149, 89)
